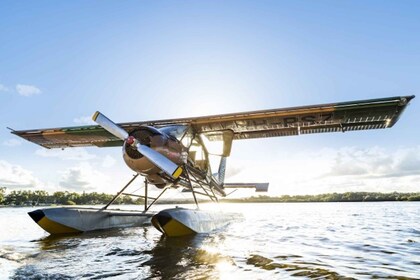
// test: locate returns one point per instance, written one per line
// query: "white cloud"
(66, 154)
(14, 176)
(12, 142)
(108, 161)
(83, 120)
(334, 170)
(3, 88)
(376, 162)
(83, 177)
(27, 90)
(233, 171)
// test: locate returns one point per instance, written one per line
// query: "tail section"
(259, 187)
(222, 171)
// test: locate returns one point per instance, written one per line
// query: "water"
(273, 241)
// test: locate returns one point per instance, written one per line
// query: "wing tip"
(95, 116)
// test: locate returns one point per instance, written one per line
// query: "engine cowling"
(158, 141)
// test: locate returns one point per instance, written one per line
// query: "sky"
(60, 61)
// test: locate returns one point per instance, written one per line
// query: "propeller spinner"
(165, 164)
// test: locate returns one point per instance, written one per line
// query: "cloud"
(14, 176)
(84, 120)
(12, 142)
(233, 171)
(108, 161)
(334, 170)
(376, 162)
(3, 88)
(407, 162)
(66, 154)
(83, 177)
(27, 90)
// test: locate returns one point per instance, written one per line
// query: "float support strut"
(120, 192)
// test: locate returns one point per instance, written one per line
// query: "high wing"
(333, 117)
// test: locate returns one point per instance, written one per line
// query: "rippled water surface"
(273, 241)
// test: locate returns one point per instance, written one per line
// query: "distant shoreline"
(205, 201)
(192, 202)
(42, 198)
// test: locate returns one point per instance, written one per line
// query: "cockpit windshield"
(176, 131)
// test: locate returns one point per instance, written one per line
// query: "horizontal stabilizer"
(259, 187)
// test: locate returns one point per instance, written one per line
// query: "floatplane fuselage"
(180, 153)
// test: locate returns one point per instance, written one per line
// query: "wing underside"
(339, 117)
(334, 117)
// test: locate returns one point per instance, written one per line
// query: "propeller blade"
(160, 161)
(109, 125)
(155, 157)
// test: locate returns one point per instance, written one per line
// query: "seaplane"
(177, 153)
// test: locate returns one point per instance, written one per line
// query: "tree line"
(334, 197)
(40, 197)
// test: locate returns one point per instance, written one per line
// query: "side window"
(197, 155)
(218, 143)
(186, 140)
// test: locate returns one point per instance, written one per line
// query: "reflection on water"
(295, 267)
(190, 258)
(309, 241)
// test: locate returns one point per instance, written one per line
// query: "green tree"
(2, 194)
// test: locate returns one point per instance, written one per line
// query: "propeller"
(165, 164)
